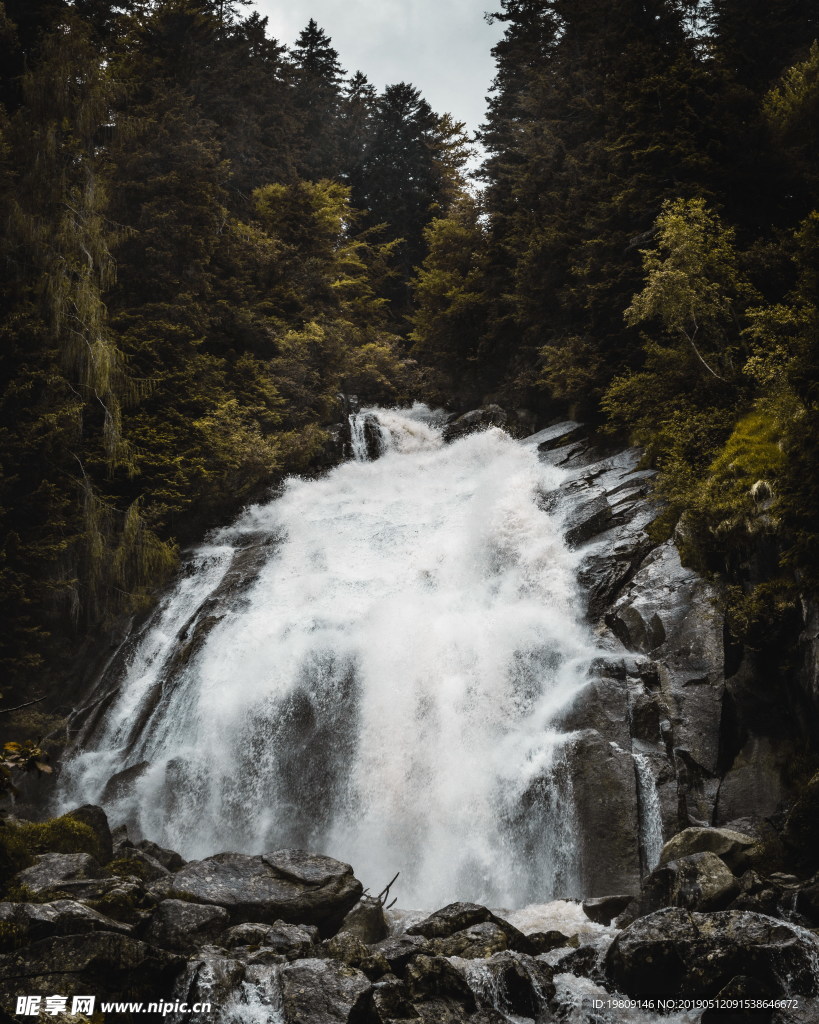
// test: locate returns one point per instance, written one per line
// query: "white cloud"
(441, 46)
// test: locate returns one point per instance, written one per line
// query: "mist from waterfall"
(368, 666)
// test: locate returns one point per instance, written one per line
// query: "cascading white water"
(651, 820)
(381, 689)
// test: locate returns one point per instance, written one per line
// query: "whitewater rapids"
(382, 688)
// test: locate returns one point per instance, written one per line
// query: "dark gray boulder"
(699, 882)
(367, 921)
(731, 847)
(487, 1015)
(121, 783)
(479, 941)
(104, 963)
(678, 953)
(470, 927)
(183, 926)
(475, 419)
(97, 820)
(430, 977)
(289, 940)
(398, 950)
(132, 861)
(350, 950)
(211, 977)
(169, 859)
(289, 885)
(24, 923)
(51, 870)
(112, 895)
(545, 942)
(391, 1002)
(583, 962)
(513, 983)
(604, 909)
(450, 919)
(323, 992)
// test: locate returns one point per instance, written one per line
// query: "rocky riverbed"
(289, 937)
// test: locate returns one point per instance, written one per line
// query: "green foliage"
(20, 757)
(59, 835)
(450, 305)
(121, 904)
(791, 106)
(14, 852)
(127, 867)
(188, 289)
(692, 284)
(12, 936)
(21, 841)
(755, 616)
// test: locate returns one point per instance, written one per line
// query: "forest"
(211, 238)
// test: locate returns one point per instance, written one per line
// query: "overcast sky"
(440, 46)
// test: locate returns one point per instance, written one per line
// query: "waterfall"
(369, 666)
(651, 821)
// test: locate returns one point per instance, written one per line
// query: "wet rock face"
(475, 419)
(731, 847)
(670, 613)
(289, 885)
(52, 869)
(183, 926)
(366, 921)
(109, 964)
(289, 940)
(645, 761)
(323, 992)
(24, 923)
(678, 953)
(605, 790)
(514, 982)
(698, 882)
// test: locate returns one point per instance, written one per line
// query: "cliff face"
(723, 733)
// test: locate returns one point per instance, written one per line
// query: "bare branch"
(8, 711)
(382, 896)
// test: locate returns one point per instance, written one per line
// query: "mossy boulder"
(82, 830)
(24, 923)
(14, 853)
(50, 870)
(678, 953)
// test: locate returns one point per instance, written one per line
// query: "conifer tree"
(411, 174)
(318, 93)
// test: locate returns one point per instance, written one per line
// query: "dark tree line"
(644, 255)
(206, 237)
